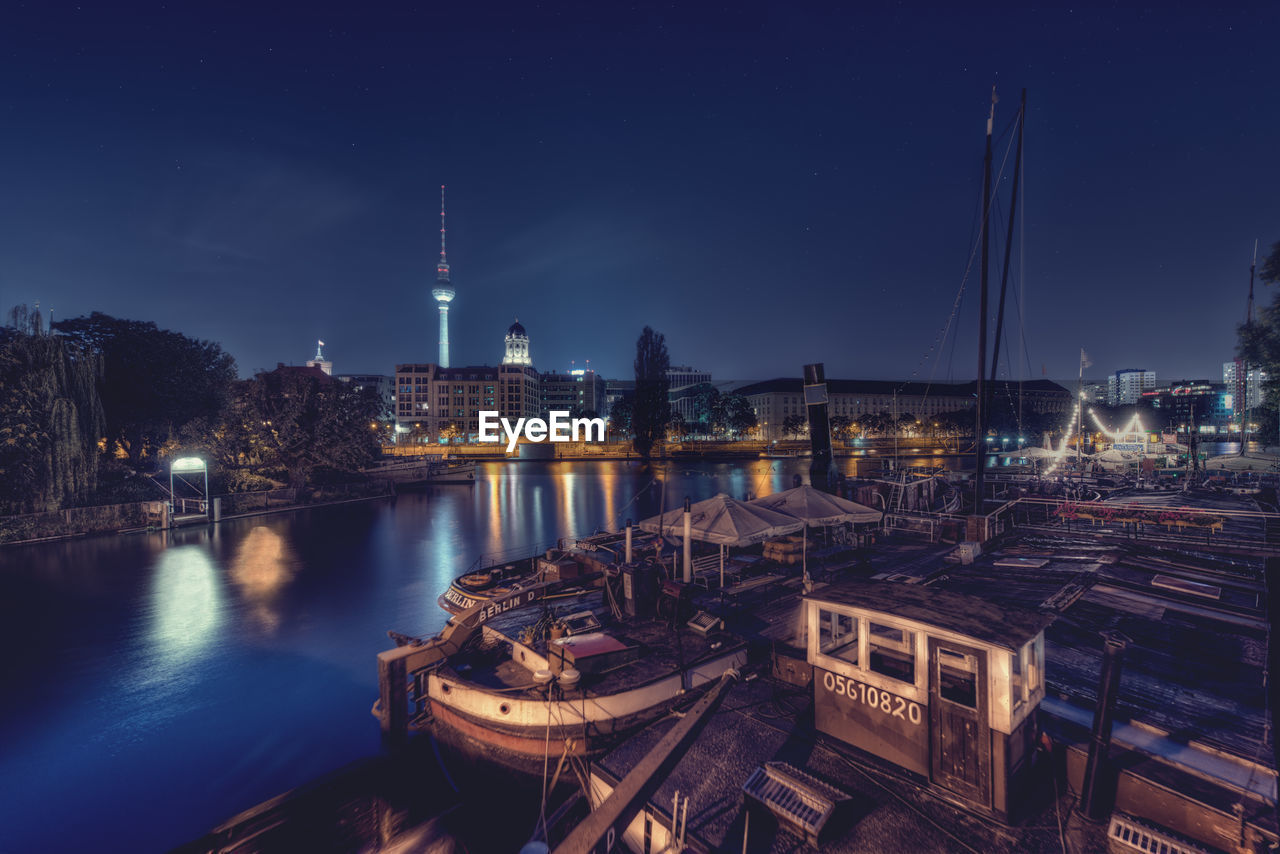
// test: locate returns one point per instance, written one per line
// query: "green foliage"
(621, 415)
(50, 417)
(739, 417)
(287, 423)
(241, 480)
(721, 414)
(652, 410)
(154, 381)
(119, 484)
(302, 421)
(794, 425)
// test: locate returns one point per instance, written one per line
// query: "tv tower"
(443, 291)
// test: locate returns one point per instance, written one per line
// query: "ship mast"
(980, 413)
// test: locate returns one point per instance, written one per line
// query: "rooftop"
(1006, 626)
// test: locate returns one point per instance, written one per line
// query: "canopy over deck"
(815, 507)
(1030, 453)
(724, 521)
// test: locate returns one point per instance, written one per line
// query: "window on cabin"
(892, 652)
(1035, 664)
(838, 636)
(1017, 677)
(958, 677)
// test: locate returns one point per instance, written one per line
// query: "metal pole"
(628, 552)
(688, 543)
(980, 420)
(1094, 806)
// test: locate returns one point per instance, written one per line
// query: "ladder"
(895, 496)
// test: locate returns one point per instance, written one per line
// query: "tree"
(50, 417)
(739, 417)
(794, 425)
(707, 407)
(307, 422)
(1259, 343)
(451, 430)
(676, 427)
(652, 409)
(153, 380)
(620, 416)
(841, 425)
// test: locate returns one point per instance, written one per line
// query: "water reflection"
(187, 607)
(262, 565)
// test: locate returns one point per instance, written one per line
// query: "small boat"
(495, 580)
(484, 585)
(777, 454)
(426, 469)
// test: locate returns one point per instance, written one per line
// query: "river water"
(156, 684)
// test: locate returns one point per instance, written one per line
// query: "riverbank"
(145, 516)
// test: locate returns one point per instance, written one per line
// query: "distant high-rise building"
(443, 291)
(1094, 392)
(1125, 387)
(1248, 383)
(319, 361)
(578, 391)
(517, 342)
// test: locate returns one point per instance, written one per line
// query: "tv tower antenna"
(443, 292)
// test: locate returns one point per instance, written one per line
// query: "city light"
(183, 464)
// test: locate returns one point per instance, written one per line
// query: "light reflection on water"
(187, 608)
(164, 682)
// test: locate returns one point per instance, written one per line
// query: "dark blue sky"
(767, 185)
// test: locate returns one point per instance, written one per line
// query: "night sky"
(767, 185)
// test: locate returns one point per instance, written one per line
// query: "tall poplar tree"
(652, 409)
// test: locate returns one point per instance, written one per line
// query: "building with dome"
(517, 346)
(436, 402)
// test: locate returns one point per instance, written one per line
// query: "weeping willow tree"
(50, 417)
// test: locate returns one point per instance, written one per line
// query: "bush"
(240, 480)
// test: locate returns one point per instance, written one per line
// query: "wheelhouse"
(942, 684)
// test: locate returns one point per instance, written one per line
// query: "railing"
(1154, 523)
(188, 506)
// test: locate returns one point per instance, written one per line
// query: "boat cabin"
(942, 684)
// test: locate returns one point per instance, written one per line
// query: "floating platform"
(1191, 757)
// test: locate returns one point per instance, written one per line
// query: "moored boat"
(416, 471)
(495, 579)
(517, 678)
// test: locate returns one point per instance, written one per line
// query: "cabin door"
(958, 715)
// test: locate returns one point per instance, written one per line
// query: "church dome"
(516, 331)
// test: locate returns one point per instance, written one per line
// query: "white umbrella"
(727, 522)
(815, 507)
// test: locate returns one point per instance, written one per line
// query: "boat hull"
(521, 732)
